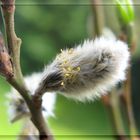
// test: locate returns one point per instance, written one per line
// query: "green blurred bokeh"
(44, 30)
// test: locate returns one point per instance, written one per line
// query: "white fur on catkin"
(88, 70)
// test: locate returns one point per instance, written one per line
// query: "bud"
(8, 5)
(125, 11)
(5, 62)
(88, 70)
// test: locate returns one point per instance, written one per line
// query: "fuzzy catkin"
(88, 70)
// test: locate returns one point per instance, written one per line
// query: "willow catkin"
(88, 70)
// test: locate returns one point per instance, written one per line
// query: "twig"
(98, 16)
(14, 43)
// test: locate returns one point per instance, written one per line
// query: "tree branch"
(17, 81)
(13, 42)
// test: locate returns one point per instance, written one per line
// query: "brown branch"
(14, 43)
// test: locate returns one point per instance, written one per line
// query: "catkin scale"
(88, 70)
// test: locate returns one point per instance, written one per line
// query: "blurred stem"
(116, 113)
(128, 102)
(28, 131)
(111, 102)
(17, 81)
(98, 16)
(128, 35)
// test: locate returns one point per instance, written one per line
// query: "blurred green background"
(44, 30)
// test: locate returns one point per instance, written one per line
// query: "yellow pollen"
(67, 75)
(69, 68)
(78, 68)
(62, 84)
(65, 62)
